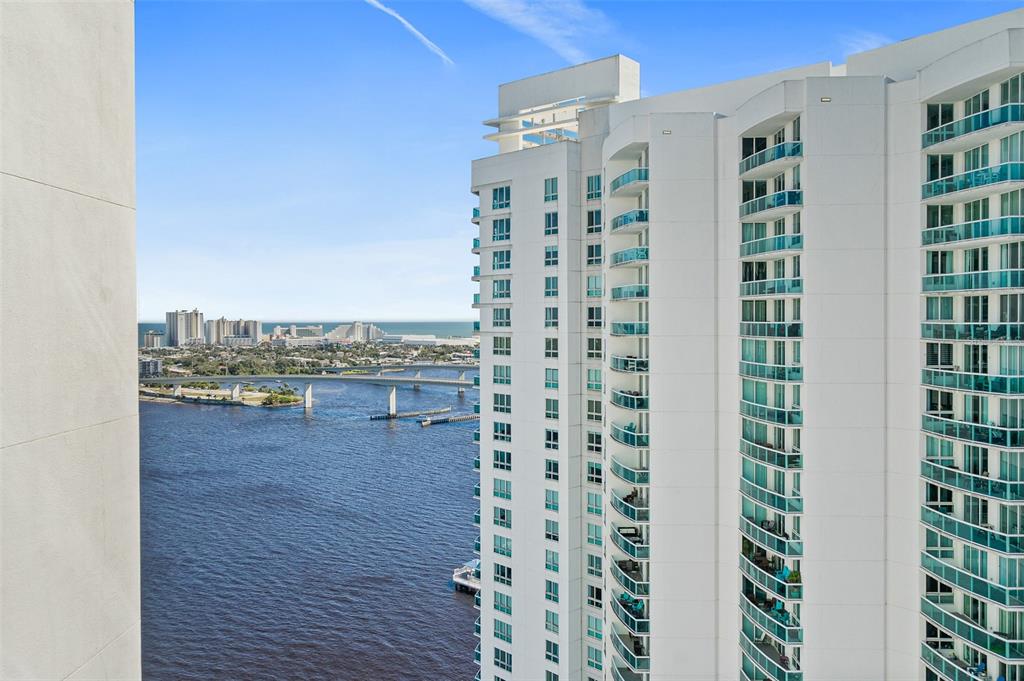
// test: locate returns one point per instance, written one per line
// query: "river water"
(277, 545)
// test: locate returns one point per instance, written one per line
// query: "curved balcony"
(973, 281)
(995, 643)
(1010, 225)
(975, 484)
(972, 332)
(770, 499)
(957, 671)
(476, 216)
(772, 372)
(476, 245)
(630, 542)
(975, 183)
(632, 613)
(769, 455)
(625, 674)
(476, 518)
(476, 327)
(766, 577)
(986, 536)
(628, 575)
(771, 539)
(476, 435)
(630, 183)
(631, 221)
(772, 621)
(762, 412)
(628, 436)
(476, 491)
(959, 380)
(634, 476)
(628, 364)
(635, 256)
(773, 206)
(1008, 596)
(973, 432)
(772, 287)
(768, 659)
(633, 400)
(633, 509)
(771, 161)
(772, 244)
(772, 329)
(631, 651)
(949, 135)
(630, 292)
(629, 328)
(476, 273)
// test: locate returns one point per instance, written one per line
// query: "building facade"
(751, 356)
(184, 328)
(233, 331)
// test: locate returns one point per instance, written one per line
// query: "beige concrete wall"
(69, 478)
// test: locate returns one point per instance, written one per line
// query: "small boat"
(467, 576)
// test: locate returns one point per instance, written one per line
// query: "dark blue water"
(280, 546)
(439, 329)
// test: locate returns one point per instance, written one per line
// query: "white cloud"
(862, 41)
(562, 25)
(427, 42)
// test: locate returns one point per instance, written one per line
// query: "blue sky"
(311, 160)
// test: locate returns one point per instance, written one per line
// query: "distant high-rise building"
(149, 368)
(233, 331)
(153, 339)
(184, 328)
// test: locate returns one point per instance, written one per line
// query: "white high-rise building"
(184, 328)
(233, 331)
(752, 371)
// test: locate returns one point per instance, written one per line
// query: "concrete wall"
(69, 480)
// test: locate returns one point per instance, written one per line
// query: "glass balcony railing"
(476, 214)
(635, 402)
(772, 372)
(770, 539)
(772, 329)
(629, 541)
(629, 292)
(1007, 113)
(476, 544)
(793, 197)
(768, 287)
(993, 642)
(476, 408)
(967, 332)
(949, 669)
(973, 432)
(634, 509)
(768, 659)
(976, 484)
(634, 619)
(629, 328)
(634, 476)
(762, 412)
(476, 298)
(476, 326)
(476, 491)
(637, 254)
(771, 244)
(970, 281)
(476, 353)
(476, 462)
(636, 217)
(768, 455)
(631, 651)
(1004, 595)
(624, 674)
(765, 578)
(983, 536)
(629, 577)
(476, 518)
(476, 653)
(476, 243)
(627, 435)
(770, 622)
(974, 179)
(978, 229)
(476, 270)
(957, 380)
(476, 380)
(771, 499)
(629, 177)
(476, 436)
(779, 151)
(631, 365)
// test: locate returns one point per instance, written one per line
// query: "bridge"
(376, 379)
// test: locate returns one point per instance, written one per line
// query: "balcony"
(476, 245)
(631, 542)
(476, 462)
(630, 221)
(971, 131)
(957, 670)
(476, 545)
(771, 161)
(631, 650)
(1010, 225)
(773, 206)
(624, 674)
(769, 455)
(972, 332)
(772, 329)
(973, 432)
(772, 662)
(762, 412)
(771, 619)
(975, 184)
(628, 435)
(630, 399)
(629, 328)
(634, 476)
(476, 654)
(476, 518)
(476, 327)
(994, 642)
(975, 484)
(629, 364)
(476, 300)
(761, 571)
(772, 287)
(769, 537)
(957, 380)
(772, 244)
(772, 372)
(476, 491)
(631, 506)
(630, 183)
(629, 292)
(630, 257)
(476, 435)
(629, 576)
(632, 612)
(770, 499)
(476, 273)
(476, 380)
(476, 216)
(973, 281)
(976, 534)
(1008, 596)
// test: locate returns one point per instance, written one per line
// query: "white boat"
(467, 576)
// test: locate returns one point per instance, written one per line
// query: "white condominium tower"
(752, 371)
(184, 328)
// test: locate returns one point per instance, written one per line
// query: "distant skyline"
(311, 160)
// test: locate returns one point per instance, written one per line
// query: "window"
(551, 621)
(593, 187)
(595, 286)
(501, 197)
(550, 224)
(939, 308)
(551, 529)
(503, 517)
(501, 260)
(938, 114)
(551, 651)
(503, 659)
(939, 166)
(551, 189)
(501, 230)
(976, 104)
(796, 129)
(550, 378)
(502, 374)
(594, 442)
(550, 287)
(595, 474)
(551, 560)
(502, 431)
(502, 574)
(938, 262)
(593, 379)
(503, 630)
(976, 158)
(595, 348)
(551, 347)
(593, 409)
(502, 488)
(502, 403)
(550, 469)
(551, 499)
(501, 317)
(550, 675)
(502, 602)
(550, 256)
(594, 503)
(550, 408)
(595, 627)
(1010, 90)
(594, 317)
(594, 254)
(1011, 308)
(501, 288)
(595, 658)
(975, 309)
(502, 545)
(1012, 148)
(551, 590)
(501, 345)
(502, 460)
(551, 317)
(594, 221)
(550, 439)
(593, 596)
(1010, 203)
(594, 534)
(594, 568)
